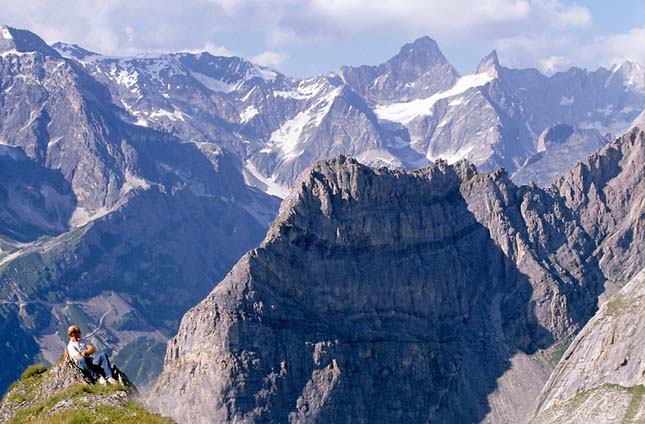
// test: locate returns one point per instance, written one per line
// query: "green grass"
(24, 389)
(89, 403)
(608, 391)
(557, 351)
(86, 410)
(635, 403)
(33, 371)
(131, 413)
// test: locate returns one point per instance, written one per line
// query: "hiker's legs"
(103, 361)
(84, 364)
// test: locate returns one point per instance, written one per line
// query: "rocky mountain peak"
(418, 70)
(229, 69)
(632, 74)
(489, 64)
(73, 51)
(423, 53)
(23, 41)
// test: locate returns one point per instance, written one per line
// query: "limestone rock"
(601, 377)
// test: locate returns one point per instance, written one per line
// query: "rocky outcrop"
(411, 293)
(62, 394)
(560, 147)
(606, 194)
(601, 377)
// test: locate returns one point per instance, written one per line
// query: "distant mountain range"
(132, 185)
(406, 112)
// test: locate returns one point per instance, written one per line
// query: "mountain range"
(131, 186)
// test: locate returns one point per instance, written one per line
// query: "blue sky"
(307, 37)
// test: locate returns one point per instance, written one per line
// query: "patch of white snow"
(252, 176)
(214, 84)
(6, 34)
(248, 113)
(406, 112)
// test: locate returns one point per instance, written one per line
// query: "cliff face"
(601, 377)
(391, 296)
(606, 193)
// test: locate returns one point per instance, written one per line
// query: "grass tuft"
(33, 371)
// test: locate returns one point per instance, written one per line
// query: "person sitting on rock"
(83, 354)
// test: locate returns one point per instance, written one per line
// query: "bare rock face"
(559, 148)
(606, 193)
(418, 70)
(601, 377)
(392, 296)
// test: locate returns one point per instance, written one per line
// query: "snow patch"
(12, 52)
(126, 78)
(379, 157)
(252, 176)
(567, 101)
(248, 113)
(306, 90)
(454, 155)
(54, 141)
(213, 84)
(177, 115)
(6, 34)
(408, 111)
(264, 73)
(287, 137)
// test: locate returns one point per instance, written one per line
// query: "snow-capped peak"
(633, 74)
(23, 41)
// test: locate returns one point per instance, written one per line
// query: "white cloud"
(552, 53)
(144, 25)
(537, 33)
(268, 58)
(214, 49)
(617, 48)
(554, 63)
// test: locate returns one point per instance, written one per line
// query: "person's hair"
(73, 329)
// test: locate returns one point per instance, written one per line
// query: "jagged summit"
(489, 64)
(23, 41)
(433, 281)
(73, 51)
(419, 70)
(422, 55)
(423, 52)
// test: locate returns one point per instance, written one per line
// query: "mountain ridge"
(334, 279)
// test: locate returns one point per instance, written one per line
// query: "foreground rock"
(601, 377)
(61, 394)
(386, 296)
